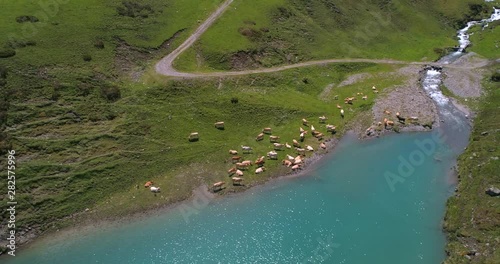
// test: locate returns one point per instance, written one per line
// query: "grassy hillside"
(267, 33)
(473, 217)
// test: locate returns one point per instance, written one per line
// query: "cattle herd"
(240, 166)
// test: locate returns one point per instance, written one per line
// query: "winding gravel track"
(164, 66)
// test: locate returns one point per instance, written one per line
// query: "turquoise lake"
(344, 211)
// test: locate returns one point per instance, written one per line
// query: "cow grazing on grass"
(387, 112)
(260, 161)
(218, 186)
(287, 163)
(296, 143)
(249, 162)
(309, 148)
(194, 137)
(319, 136)
(278, 146)
(297, 160)
(301, 130)
(322, 119)
(219, 125)
(233, 152)
(274, 139)
(260, 137)
(155, 189)
(267, 130)
(231, 171)
(290, 158)
(322, 145)
(272, 155)
(235, 159)
(349, 100)
(342, 113)
(364, 97)
(296, 167)
(301, 151)
(305, 122)
(148, 184)
(260, 170)
(339, 107)
(331, 128)
(239, 173)
(242, 166)
(237, 180)
(246, 149)
(313, 129)
(302, 136)
(287, 145)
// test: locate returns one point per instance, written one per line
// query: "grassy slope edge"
(473, 218)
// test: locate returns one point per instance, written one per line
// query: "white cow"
(155, 189)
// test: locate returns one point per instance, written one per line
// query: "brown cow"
(287, 163)
(322, 145)
(235, 159)
(260, 161)
(296, 143)
(231, 171)
(218, 186)
(260, 170)
(242, 166)
(237, 180)
(267, 130)
(278, 146)
(274, 139)
(233, 152)
(260, 137)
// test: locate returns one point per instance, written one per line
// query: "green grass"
(472, 218)
(269, 33)
(486, 42)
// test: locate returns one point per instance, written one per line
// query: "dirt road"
(164, 66)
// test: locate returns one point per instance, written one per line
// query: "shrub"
(3, 72)
(234, 100)
(134, 9)
(99, 44)
(496, 77)
(111, 93)
(87, 57)
(7, 53)
(22, 19)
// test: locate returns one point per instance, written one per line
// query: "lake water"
(354, 208)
